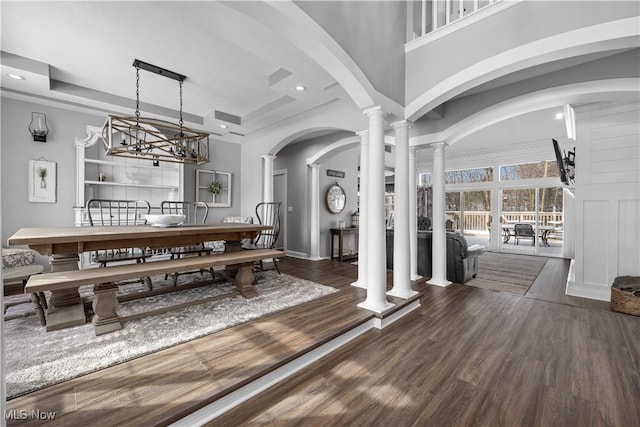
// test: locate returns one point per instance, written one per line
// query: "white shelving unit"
(110, 177)
(204, 178)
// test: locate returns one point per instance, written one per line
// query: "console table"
(340, 232)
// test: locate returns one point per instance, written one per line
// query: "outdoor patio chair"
(524, 231)
(112, 212)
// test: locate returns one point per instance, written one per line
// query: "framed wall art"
(42, 181)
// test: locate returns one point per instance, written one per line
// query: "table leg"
(65, 306)
(105, 305)
(506, 235)
(340, 247)
(332, 246)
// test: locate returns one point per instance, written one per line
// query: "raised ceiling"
(239, 72)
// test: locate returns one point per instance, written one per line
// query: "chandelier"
(154, 139)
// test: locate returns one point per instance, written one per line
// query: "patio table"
(543, 232)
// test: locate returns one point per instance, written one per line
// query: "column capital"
(373, 111)
(268, 156)
(362, 133)
(401, 123)
(439, 144)
(315, 166)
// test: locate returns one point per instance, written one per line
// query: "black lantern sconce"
(38, 127)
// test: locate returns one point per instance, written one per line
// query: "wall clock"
(336, 199)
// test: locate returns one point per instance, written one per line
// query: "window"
(543, 169)
(424, 180)
(466, 176)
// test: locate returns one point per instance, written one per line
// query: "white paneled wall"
(607, 196)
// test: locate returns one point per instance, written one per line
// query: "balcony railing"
(430, 15)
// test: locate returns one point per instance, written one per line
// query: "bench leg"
(244, 281)
(65, 307)
(105, 304)
(38, 306)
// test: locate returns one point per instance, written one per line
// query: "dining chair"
(113, 212)
(195, 213)
(268, 213)
(524, 231)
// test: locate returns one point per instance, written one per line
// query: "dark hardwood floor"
(472, 357)
(466, 357)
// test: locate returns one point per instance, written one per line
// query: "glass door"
(532, 220)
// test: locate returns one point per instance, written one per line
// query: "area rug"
(36, 359)
(513, 274)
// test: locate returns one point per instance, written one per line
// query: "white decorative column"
(413, 215)
(401, 233)
(376, 300)
(363, 220)
(314, 215)
(267, 178)
(439, 236)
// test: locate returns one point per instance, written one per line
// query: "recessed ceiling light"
(223, 126)
(300, 88)
(559, 116)
(16, 76)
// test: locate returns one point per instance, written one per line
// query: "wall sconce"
(38, 127)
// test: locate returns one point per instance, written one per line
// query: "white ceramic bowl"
(165, 220)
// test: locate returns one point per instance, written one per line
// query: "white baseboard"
(585, 290)
(294, 254)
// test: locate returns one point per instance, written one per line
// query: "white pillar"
(401, 234)
(267, 179)
(438, 236)
(376, 263)
(413, 215)
(363, 235)
(314, 217)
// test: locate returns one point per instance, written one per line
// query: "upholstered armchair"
(462, 260)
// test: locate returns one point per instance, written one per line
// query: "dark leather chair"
(462, 261)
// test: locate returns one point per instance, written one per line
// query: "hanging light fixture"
(155, 139)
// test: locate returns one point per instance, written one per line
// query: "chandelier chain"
(181, 122)
(137, 94)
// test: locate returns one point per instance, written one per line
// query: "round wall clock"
(335, 198)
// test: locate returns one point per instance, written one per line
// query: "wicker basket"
(625, 295)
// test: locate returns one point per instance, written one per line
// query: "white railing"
(479, 220)
(435, 14)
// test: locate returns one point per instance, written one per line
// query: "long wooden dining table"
(64, 245)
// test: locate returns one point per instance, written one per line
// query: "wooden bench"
(105, 303)
(20, 275)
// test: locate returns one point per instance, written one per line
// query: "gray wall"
(18, 148)
(224, 157)
(293, 159)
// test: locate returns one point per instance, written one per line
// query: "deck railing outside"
(479, 220)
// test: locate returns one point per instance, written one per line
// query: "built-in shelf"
(111, 177)
(127, 184)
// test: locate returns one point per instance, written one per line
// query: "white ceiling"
(233, 63)
(81, 52)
